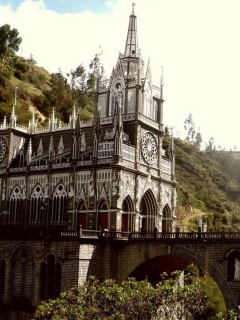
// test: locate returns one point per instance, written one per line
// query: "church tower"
(143, 164)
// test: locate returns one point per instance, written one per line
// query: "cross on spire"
(133, 4)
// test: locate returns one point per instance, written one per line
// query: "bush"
(18, 74)
(21, 66)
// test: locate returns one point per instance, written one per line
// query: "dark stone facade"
(108, 174)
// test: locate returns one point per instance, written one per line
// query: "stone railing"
(154, 236)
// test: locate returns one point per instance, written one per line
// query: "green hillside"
(208, 187)
(39, 91)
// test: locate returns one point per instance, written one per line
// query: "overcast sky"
(196, 42)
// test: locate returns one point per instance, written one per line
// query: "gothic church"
(80, 179)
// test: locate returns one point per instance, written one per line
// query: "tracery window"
(36, 201)
(59, 204)
(15, 205)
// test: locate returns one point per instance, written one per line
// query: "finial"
(133, 4)
(161, 84)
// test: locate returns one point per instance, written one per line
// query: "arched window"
(167, 219)
(148, 212)
(59, 204)
(2, 276)
(103, 215)
(50, 278)
(128, 215)
(35, 215)
(82, 214)
(22, 275)
(15, 205)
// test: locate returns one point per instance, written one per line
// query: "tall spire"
(131, 48)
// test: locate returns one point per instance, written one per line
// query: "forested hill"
(39, 91)
(208, 187)
(208, 181)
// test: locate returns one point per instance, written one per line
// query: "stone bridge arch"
(132, 255)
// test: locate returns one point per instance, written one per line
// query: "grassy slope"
(205, 189)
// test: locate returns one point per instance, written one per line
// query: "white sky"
(196, 42)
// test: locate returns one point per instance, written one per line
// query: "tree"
(210, 147)
(82, 89)
(189, 127)
(198, 139)
(129, 300)
(59, 97)
(9, 40)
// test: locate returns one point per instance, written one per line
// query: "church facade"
(110, 174)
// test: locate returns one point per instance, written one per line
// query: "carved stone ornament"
(3, 149)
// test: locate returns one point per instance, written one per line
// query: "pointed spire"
(40, 148)
(51, 148)
(131, 48)
(96, 134)
(29, 152)
(161, 85)
(118, 125)
(73, 117)
(53, 121)
(83, 142)
(60, 146)
(32, 124)
(13, 118)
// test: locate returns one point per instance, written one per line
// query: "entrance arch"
(148, 211)
(103, 209)
(167, 219)
(128, 215)
(173, 255)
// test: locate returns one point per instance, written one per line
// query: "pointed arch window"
(35, 215)
(103, 209)
(22, 275)
(2, 276)
(15, 205)
(59, 204)
(50, 278)
(167, 219)
(148, 212)
(82, 214)
(128, 215)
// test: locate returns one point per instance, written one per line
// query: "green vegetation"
(39, 91)
(208, 186)
(9, 41)
(129, 300)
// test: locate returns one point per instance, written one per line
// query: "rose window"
(149, 148)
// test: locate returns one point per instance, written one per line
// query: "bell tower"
(142, 163)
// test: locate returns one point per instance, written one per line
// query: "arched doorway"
(167, 219)
(128, 215)
(103, 208)
(82, 214)
(148, 212)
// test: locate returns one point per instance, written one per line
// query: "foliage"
(9, 40)
(208, 184)
(129, 300)
(192, 137)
